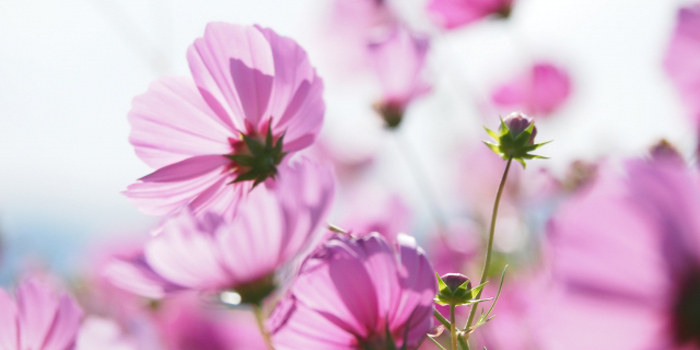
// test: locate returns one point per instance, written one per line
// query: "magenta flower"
(682, 60)
(539, 92)
(355, 293)
(276, 224)
(254, 99)
(40, 319)
(628, 253)
(398, 60)
(451, 14)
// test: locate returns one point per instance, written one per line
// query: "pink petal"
(682, 61)
(136, 276)
(188, 169)
(8, 323)
(37, 306)
(171, 122)
(296, 103)
(161, 198)
(400, 78)
(233, 64)
(65, 326)
(184, 254)
(451, 14)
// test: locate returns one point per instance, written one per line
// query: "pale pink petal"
(682, 61)
(171, 122)
(539, 92)
(136, 276)
(8, 323)
(66, 324)
(418, 285)
(398, 61)
(279, 221)
(186, 255)
(37, 307)
(296, 103)
(233, 64)
(103, 334)
(161, 198)
(314, 333)
(188, 169)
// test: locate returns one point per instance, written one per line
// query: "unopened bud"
(454, 289)
(517, 123)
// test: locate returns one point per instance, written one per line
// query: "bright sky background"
(69, 69)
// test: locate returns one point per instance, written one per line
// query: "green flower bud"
(453, 289)
(515, 139)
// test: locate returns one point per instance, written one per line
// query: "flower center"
(686, 310)
(255, 157)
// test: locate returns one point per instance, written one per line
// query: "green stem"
(260, 318)
(453, 328)
(487, 263)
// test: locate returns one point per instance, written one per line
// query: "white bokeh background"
(69, 69)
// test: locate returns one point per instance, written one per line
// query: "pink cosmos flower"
(277, 223)
(682, 60)
(253, 99)
(451, 14)
(370, 209)
(628, 251)
(539, 92)
(355, 293)
(40, 319)
(398, 60)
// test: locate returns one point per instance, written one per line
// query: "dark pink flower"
(253, 99)
(538, 92)
(40, 319)
(355, 293)
(627, 250)
(277, 223)
(451, 14)
(398, 60)
(682, 60)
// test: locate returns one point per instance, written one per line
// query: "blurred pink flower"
(353, 292)
(682, 60)
(103, 334)
(247, 81)
(539, 92)
(398, 60)
(40, 319)
(370, 209)
(627, 250)
(186, 324)
(451, 14)
(276, 224)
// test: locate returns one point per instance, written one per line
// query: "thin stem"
(422, 180)
(260, 318)
(453, 328)
(487, 263)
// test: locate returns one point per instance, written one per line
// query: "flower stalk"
(260, 319)
(492, 230)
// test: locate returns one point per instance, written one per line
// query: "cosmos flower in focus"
(451, 14)
(539, 92)
(40, 319)
(356, 293)
(276, 224)
(398, 61)
(254, 98)
(628, 252)
(682, 60)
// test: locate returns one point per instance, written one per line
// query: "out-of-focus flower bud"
(517, 123)
(516, 138)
